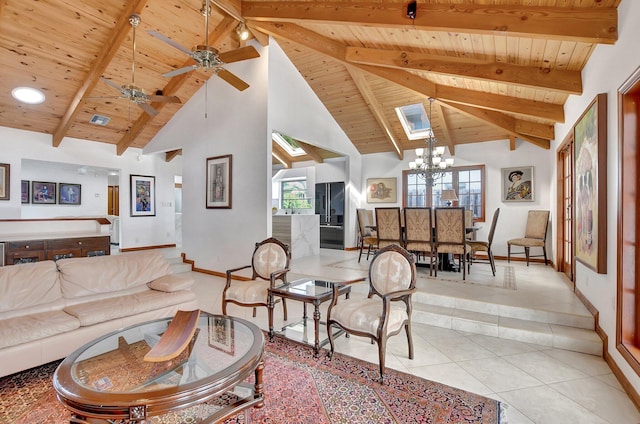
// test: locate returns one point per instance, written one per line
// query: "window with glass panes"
(467, 181)
(294, 194)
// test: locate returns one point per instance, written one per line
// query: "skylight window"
(288, 144)
(415, 121)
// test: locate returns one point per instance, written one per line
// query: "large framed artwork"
(69, 194)
(590, 197)
(4, 181)
(43, 193)
(219, 182)
(518, 184)
(143, 195)
(382, 190)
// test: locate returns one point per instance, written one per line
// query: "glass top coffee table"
(107, 380)
(306, 290)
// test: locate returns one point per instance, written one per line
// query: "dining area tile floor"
(539, 384)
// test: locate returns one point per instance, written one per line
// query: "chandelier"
(429, 162)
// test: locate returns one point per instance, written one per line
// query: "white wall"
(236, 124)
(17, 145)
(606, 71)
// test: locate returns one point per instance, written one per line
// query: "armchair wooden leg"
(224, 307)
(330, 334)
(407, 328)
(382, 347)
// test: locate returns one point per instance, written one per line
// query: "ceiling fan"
(209, 58)
(131, 91)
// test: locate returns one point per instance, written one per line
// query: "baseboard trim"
(520, 259)
(159, 246)
(622, 379)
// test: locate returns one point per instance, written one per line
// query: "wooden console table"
(52, 239)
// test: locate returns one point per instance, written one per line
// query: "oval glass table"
(107, 380)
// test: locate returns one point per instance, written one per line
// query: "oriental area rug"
(299, 388)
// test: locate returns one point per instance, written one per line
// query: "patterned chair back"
(365, 218)
(537, 225)
(388, 226)
(494, 222)
(269, 255)
(391, 270)
(450, 225)
(418, 229)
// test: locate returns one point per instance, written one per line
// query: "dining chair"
(485, 246)
(366, 235)
(392, 281)
(269, 263)
(388, 226)
(535, 235)
(450, 237)
(468, 223)
(418, 233)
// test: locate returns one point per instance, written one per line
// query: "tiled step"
(538, 327)
(177, 266)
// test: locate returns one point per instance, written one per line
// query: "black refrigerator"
(330, 207)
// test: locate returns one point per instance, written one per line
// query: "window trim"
(455, 170)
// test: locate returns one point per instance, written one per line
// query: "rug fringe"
(502, 416)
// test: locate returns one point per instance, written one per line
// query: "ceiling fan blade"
(232, 79)
(243, 53)
(112, 84)
(180, 71)
(169, 41)
(164, 99)
(147, 108)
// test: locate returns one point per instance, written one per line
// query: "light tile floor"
(539, 384)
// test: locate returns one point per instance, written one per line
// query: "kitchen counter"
(300, 232)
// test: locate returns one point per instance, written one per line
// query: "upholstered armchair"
(485, 246)
(366, 236)
(388, 226)
(269, 263)
(418, 233)
(392, 281)
(535, 235)
(451, 236)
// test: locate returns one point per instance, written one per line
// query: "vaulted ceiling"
(498, 69)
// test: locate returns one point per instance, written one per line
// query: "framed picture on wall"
(518, 184)
(4, 181)
(143, 195)
(24, 191)
(590, 198)
(43, 193)
(69, 194)
(382, 190)
(219, 182)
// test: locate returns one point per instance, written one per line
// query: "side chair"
(451, 236)
(366, 236)
(485, 246)
(535, 235)
(392, 281)
(269, 263)
(388, 226)
(418, 233)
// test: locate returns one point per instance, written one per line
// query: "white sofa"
(48, 309)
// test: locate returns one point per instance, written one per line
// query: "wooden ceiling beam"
(172, 87)
(104, 56)
(569, 82)
(581, 24)
(376, 108)
(280, 155)
(444, 127)
(311, 151)
(501, 121)
(170, 155)
(231, 7)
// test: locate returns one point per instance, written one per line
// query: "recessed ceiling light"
(28, 95)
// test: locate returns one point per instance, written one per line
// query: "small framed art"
(24, 191)
(4, 181)
(382, 190)
(143, 195)
(69, 194)
(219, 182)
(517, 184)
(43, 193)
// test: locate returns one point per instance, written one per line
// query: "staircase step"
(539, 327)
(179, 267)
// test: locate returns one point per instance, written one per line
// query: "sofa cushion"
(90, 313)
(106, 274)
(15, 331)
(25, 285)
(171, 283)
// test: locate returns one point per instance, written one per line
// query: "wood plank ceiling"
(498, 69)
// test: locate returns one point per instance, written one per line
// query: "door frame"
(565, 264)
